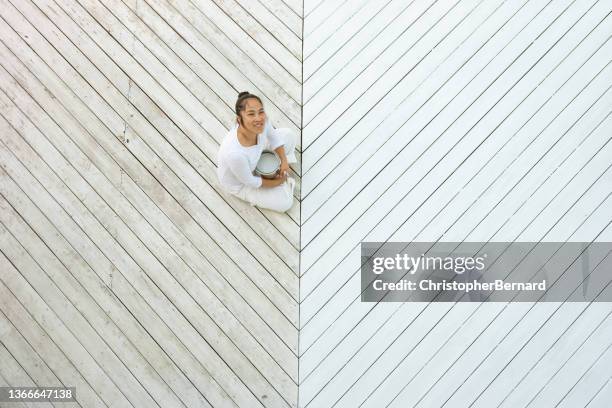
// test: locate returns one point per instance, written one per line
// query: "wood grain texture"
(124, 264)
(126, 270)
(446, 120)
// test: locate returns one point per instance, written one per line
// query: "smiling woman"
(241, 150)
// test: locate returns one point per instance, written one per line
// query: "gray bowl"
(268, 164)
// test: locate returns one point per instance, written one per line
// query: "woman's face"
(253, 116)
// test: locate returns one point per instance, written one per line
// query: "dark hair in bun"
(242, 97)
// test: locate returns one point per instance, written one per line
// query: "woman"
(241, 149)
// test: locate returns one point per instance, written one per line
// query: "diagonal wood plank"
(452, 121)
(129, 272)
(112, 113)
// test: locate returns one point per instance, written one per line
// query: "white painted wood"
(283, 26)
(509, 346)
(128, 272)
(219, 283)
(4, 383)
(186, 142)
(137, 340)
(391, 361)
(389, 128)
(122, 345)
(587, 199)
(500, 132)
(195, 62)
(160, 71)
(68, 229)
(582, 376)
(112, 114)
(199, 52)
(33, 283)
(26, 357)
(185, 301)
(603, 396)
(110, 276)
(116, 170)
(297, 7)
(528, 353)
(170, 60)
(309, 6)
(317, 15)
(306, 223)
(10, 369)
(552, 362)
(382, 153)
(333, 228)
(345, 106)
(328, 59)
(342, 18)
(410, 225)
(44, 333)
(328, 74)
(279, 64)
(188, 66)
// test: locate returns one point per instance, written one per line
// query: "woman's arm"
(277, 181)
(276, 143)
(284, 166)
(239, 165)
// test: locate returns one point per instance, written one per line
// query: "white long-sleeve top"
(236, 163)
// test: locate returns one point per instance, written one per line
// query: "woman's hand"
(284, 168)
(276, 181)
(281, 176)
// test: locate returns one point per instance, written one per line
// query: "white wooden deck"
(126, 272)
(470, 120)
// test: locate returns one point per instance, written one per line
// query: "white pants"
(279, 198)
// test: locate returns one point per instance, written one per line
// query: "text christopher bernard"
(446, 285)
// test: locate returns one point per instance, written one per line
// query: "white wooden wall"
(452, 120)
(124, 270)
